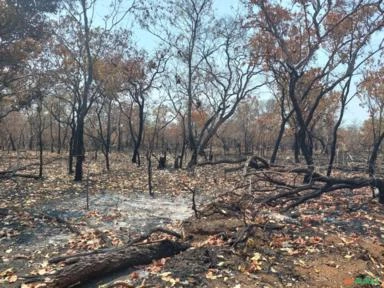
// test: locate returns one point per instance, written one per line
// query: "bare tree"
(140, 78)
(212, 71)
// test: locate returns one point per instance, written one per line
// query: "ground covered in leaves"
(334, 241)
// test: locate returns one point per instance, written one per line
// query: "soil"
(335, 241)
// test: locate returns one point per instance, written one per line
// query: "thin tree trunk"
(149, 172)
(373, 156)
(40, 142)
(79, 149)
(51, 132)
(279, 137)
(336, 128)
(12, 142)
(71, 151)
(296, 149)
(59, 137)
(119, 133)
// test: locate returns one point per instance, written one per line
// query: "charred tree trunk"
(12, 142)
(59, 138)
(93, 266)
(41, 129)
(119, 133)
(140, 132)
(51, 133)
(304, 138)
(193, 161)
(374, 154)
(71, 150)
(280, 137)
(183, 146)
(79, 148)
(296, 149)
(105, 139)
(149, 172)
(162, 162)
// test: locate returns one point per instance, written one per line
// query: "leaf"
(209, 275)
(168, 278)
(256, 257)
(12, 278)
(348, 256)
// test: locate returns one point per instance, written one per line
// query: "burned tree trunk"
(92, 266)
(162, 161)
(317, 185)
(374, 154)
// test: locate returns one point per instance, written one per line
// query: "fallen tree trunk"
(97, 265)
(12, 175)
(224, 161)
(317, 185)
(7, 174)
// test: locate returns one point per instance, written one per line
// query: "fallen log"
(97, 265)
(10, 175)
(143, 237)
(7, 174)
(318, 185)
(223, 161)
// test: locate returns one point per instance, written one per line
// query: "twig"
(194, 206)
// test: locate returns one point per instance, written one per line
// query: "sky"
(354, 114)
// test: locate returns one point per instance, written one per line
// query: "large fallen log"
(97, 265)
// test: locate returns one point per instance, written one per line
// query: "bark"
(40, 153)
(59, 137)
(94, 266)
(41, 128)
(119, 133)
(70, 152)
(137, 140)
(374, 154)
(183, 147)
(51, 133)
(105, 139)
(280, 136)
(296, 149)
(162, 162)
(79, 149)
(12, 142)
(149, 172)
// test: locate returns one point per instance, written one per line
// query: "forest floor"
(334, 241)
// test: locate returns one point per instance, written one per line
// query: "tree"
(317, 47)
(81, 46)
(23, 29)
(140, 78)
(212, 68)
(372, 94)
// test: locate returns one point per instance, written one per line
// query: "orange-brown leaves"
(115, 72)
(199, 117)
